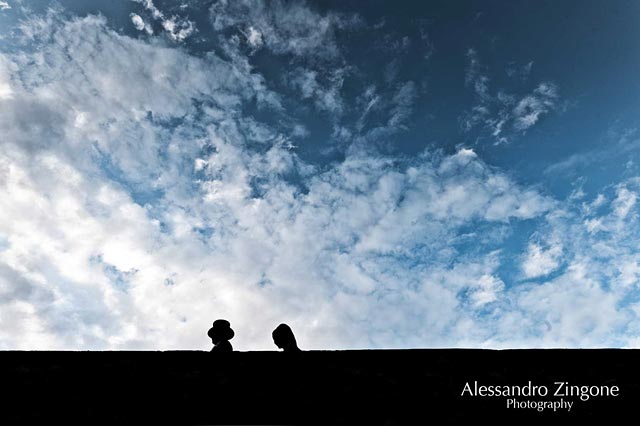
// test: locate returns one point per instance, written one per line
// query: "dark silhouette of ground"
(375, 387)
(220, 334)
(284, 339)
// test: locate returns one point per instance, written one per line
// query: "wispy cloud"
(503, 115)
(383, 113)
(529, 109)
(283, 28)
(429, 47)
(324, 90)
(617, 143)
(521, 72)
(177, 28)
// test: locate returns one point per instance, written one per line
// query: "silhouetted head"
(220, 331)
(284, 339)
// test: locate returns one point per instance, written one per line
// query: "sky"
(400, 175)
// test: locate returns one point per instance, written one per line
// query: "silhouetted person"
(220, 334)
(284, 339)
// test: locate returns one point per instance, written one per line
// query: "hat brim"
(226, 333)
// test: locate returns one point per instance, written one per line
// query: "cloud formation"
(503, 115)
(283, 28)
(140, 24)
(177, 28)
(143, 198)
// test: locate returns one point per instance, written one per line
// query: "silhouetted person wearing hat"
(220, 334)
(284, 339)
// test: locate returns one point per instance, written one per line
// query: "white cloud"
(528, 110)
(176, 27)
(6, 69)
(624, 202)
(4, 5)
(148, 4)
(487, 291)
(540, 260)
(139, 23)
(629, 271)
(254, 37)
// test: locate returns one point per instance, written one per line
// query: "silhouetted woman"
(220, 334)
(284, 339)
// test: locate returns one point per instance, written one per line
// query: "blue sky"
(402, 175)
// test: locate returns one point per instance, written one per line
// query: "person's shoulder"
(224, 346)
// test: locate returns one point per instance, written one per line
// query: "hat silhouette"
(221, 330)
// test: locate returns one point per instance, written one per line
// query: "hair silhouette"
(220, 334)
(284, 339)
